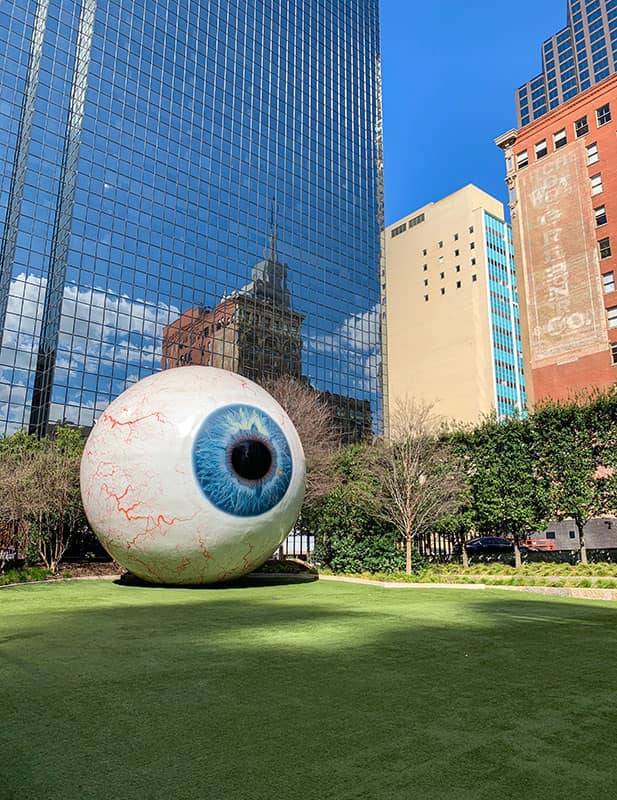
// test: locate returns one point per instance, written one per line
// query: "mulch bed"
(88, 569)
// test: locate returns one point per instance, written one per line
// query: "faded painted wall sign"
(567, 319)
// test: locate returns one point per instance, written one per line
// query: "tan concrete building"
(453, 334)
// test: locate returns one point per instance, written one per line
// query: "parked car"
(489, 546)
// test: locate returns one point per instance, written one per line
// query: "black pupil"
(251, 459)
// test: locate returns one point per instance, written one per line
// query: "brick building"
(562, 179)
(254, 331)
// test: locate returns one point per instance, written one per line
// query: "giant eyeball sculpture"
(194, 475)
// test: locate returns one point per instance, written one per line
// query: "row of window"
(442, 274)
(456, 252)
(405, 225)
(459, 284)
(560, 138)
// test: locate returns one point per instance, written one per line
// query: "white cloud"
(355, 344)
(94, 325)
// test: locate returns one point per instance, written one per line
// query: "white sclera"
(141, 495)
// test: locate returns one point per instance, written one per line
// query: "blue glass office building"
(151, 152)
(575, 58)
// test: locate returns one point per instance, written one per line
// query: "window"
(596, 184)
(424, 252)
(581, 127)
(472, 246)
(456, 237)
(600, 213)
(471, 229)
(426, 298)
(608, 282)
(611, 314)
(560, 138)
(442, 275)
(572, 534)
(425, 267)
(458, 284)
(592, 153)
(473, 262)
(541, 149)
(550, 534)
(441, 244)
(603, 114)
(443, 291)
(426, 281)
(456, 253)
(399, 229)
(416, 220)
(474, 278)
(458, 267)
(522, 159)
(614, 352)
(605, 247)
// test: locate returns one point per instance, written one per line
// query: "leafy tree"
(348, 535)
(507, 496)
(575, 454)
(457, 526)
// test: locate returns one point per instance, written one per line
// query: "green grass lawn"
(312, 691)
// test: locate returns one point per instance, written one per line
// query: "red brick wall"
(570, 369)
(564, 381)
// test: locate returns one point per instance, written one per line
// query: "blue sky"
(449, 72)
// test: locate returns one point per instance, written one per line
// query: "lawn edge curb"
(556, 591)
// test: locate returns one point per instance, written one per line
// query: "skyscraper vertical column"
(383, 316)
(52, 308)
(18, 179)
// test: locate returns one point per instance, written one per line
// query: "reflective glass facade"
(575, 58)
(216, 161)
(510, 396)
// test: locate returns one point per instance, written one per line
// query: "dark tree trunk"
(581, 537)
(517, 554)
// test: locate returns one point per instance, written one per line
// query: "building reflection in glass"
(255, 332)
(141, 146)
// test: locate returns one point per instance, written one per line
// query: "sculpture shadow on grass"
(246, 582)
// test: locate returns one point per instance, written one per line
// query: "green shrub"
(24, 575)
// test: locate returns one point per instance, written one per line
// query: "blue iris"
(242, 460)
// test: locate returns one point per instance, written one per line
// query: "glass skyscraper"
(575, 58)
(187, 181)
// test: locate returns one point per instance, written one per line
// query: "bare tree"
(14, 500)
(13, 527)
(418, 473)
(52, 481)
(40, 502)
(313, 421)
